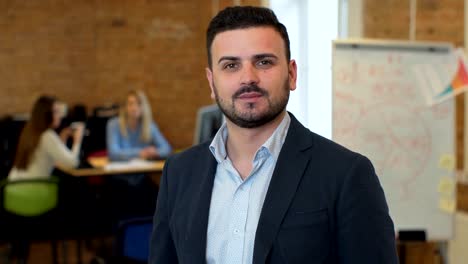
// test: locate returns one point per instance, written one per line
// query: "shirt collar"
(272, 145)
(276, 140)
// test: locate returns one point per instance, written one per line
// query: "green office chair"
(27, 206)
(30, 198)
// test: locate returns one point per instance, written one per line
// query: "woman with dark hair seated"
(40, 148)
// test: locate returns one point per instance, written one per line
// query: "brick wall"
(386, 19)
(93, 52)
(441, 20)
(437, 20)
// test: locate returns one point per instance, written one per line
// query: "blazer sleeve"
(365, 230)
(162, 249)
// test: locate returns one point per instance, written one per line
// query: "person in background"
(40, 148)
(133, 134)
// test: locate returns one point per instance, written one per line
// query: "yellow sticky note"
(447, 205)
(446, 186)
(447, 162)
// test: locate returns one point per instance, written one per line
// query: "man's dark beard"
(252, 120)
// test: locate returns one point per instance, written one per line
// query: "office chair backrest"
(95, 140)
(30, 197)
(133, 238)
(209, 120)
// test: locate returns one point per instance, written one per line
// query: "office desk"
(100, 164)
(99, 171)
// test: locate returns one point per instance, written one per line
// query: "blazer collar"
(288, 172)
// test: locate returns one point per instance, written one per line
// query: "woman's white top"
(49, 152)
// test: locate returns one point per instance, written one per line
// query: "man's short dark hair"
(240, 17)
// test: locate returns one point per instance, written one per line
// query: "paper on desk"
(447, 205)
(447, 162)
(125, 165)
(446, 186)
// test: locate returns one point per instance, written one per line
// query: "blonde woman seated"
(134, 134)
(40, 148)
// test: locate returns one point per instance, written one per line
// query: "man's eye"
(264, 62)
(230, 66)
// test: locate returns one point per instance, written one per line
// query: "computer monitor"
(209, 120)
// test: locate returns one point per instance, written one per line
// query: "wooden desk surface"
(99, 169)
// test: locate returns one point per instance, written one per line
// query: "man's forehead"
(248, 40)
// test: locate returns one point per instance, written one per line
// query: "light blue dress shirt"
(236, 204)
(121, 148)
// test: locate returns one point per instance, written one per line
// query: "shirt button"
(236, 231)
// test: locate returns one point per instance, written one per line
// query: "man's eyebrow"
(264, 55)
(230, 58)
(255, 57)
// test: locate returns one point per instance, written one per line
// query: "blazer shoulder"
(334, 151)
(191, 155)
(301, 138)
(184, 169)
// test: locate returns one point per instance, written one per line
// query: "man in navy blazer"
(266, 189)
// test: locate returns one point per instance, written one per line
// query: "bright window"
(312, 26)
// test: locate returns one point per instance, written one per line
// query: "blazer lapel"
(288, 172)
(198, 217)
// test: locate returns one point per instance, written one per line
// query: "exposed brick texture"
(386, 19)
(441, 20)
(93, 52)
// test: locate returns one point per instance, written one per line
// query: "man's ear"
(292, 72)
(209, 77)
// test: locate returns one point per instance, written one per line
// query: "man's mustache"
(252, 88)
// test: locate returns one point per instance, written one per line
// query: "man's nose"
(249, 75)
